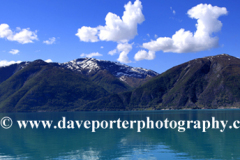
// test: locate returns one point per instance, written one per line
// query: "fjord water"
(116, 143)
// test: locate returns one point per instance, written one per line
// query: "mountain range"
(88, 84)
(41, 86)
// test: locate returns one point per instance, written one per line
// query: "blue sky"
(133, 31)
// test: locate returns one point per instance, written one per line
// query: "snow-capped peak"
(115, 68)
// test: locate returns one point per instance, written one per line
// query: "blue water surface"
(122, 143)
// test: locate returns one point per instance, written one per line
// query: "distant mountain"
(88, 84)
(112, 76)
(41, 86)
(8, 71)
(47, 87)
(210, 82)
(129, 75)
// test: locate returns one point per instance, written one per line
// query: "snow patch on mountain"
(92, 66)
(115, 68)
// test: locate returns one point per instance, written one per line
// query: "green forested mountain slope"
(209, 82)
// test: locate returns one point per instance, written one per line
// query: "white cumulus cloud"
(48, 60)
(124, 49)
(112, 52)
(14, 51)
(142, 54)
(23, 36)
(50, 41)
(94, 54)
(87, 34)
(5, 32)
(185, 41)
(7, 63)
(116, 29)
